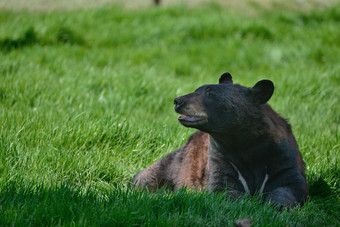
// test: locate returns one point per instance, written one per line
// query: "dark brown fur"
(187, 166)
(280, 130)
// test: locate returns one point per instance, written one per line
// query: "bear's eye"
(209, 92)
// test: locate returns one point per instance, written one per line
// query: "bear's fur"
(242, 146)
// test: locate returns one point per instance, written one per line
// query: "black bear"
(242, 146)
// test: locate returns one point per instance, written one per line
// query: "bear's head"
(223, 107)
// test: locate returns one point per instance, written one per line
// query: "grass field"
(86, 101)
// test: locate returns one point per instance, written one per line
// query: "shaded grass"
(65, 204)
(86, 101)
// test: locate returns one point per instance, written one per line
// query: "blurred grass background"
(246, 6)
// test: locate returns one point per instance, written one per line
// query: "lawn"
(86, 101)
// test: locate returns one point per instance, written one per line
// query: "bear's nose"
(177, 101)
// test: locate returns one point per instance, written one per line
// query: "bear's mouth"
(194, 119)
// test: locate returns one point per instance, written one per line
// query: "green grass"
(86, 101)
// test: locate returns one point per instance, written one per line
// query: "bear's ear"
(262, 91)
(225, 79)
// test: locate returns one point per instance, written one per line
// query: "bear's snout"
(178, 102)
